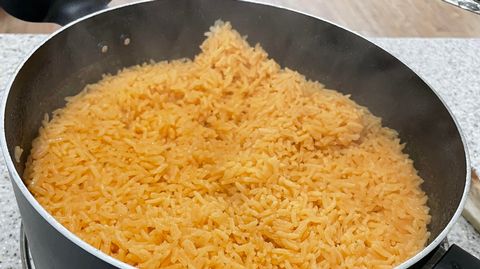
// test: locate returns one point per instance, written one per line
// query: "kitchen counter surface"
(450, 66)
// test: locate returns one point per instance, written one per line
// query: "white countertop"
(450, 66)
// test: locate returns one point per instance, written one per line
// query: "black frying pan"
(168, 29)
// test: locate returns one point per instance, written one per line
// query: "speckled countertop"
(451, 66)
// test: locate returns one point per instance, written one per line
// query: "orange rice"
(228, 161)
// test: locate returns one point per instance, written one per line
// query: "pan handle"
(457, 258)
(56, 11)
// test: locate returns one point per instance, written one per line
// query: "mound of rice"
(228, 161)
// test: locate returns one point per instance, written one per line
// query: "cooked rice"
(228, 161)
(18, 153)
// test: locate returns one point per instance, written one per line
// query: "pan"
(108, 40)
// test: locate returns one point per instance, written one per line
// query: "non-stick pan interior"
(170, 29)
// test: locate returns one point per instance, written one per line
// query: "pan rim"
(15, 177)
